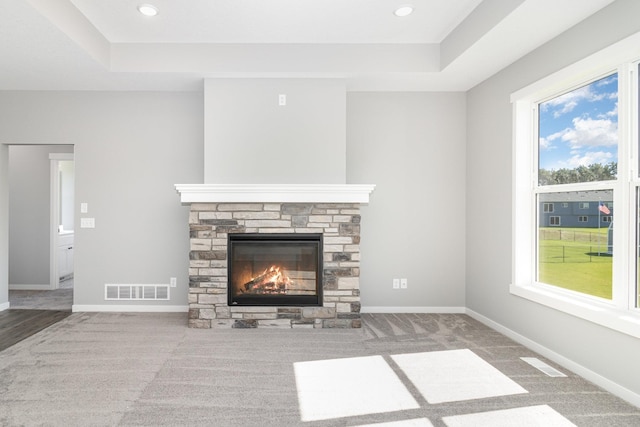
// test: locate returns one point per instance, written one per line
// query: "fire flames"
(272, 281)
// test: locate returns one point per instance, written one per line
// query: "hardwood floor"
(16, 325)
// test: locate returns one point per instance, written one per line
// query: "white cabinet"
(65, 254)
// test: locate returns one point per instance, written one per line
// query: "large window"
(576, 146)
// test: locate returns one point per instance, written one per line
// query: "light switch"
(87, 223)
(84, 207)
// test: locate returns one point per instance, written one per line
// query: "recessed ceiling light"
(405, 10)
(148, 9)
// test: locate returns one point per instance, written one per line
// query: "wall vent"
(543, 367)
(136, 292)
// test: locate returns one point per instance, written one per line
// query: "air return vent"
(136, 292)
(543, 367)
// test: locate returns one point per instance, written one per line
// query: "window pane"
(578, 134)
(575, 245)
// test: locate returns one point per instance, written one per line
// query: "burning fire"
(271, 281)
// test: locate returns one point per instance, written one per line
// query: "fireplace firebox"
(275, 269)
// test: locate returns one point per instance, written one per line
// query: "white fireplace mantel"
(274, 193)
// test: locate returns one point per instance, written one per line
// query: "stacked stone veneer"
(210, 224)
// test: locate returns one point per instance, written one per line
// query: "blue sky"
(580, 128)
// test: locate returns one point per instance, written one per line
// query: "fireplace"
(326, 217)
(266, 269)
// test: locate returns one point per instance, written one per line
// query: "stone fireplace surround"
(217, 210)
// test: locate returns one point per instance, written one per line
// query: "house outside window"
(576, 140)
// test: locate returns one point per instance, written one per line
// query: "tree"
(593, 172)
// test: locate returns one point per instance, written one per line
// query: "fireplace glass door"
(275, 269)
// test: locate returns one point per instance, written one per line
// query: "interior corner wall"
(29, 213)
(251, 139)
(130, 149)
(412, 147)
(4, 226)
(607, 353)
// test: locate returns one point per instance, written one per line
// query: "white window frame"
(583, 218)
(547, 207)
(551, 220)
(620, 313)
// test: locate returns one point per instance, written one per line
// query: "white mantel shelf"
(274, 193)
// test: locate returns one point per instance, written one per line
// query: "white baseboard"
(4, 306)
(131, 308)
(46, 287)
(366, 309)
(599, 380)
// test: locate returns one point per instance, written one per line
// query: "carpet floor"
(126, 369)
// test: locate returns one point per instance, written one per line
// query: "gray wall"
(412, 147)
(29, 213)
(603, 351)
(130, 149)
(250, 139)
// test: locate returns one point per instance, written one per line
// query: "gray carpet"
(119, 369)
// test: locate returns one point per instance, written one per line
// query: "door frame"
(54, 214)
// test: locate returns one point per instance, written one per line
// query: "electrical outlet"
(396, 283)
(403, 283)
(173, 282)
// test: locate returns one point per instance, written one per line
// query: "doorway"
(41, 233)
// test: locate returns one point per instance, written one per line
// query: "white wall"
(412, 147)
(4, 227)
(611, 355)
(29, 213)
(250, 139)
(67, 189)
(130, 150)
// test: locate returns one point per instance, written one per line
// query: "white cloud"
(567, 102)
(589, 158)
(587, 132)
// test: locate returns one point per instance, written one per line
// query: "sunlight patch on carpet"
(454, 375)
(338, 388)
(532, 416)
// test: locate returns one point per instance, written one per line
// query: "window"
(576, 145)
(547, 207)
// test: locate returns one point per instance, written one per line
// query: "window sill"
(600, 313)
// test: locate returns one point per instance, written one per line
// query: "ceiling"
(445, 45)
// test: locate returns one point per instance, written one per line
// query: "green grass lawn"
(568, 258)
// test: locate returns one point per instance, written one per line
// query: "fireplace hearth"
(275, 269)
